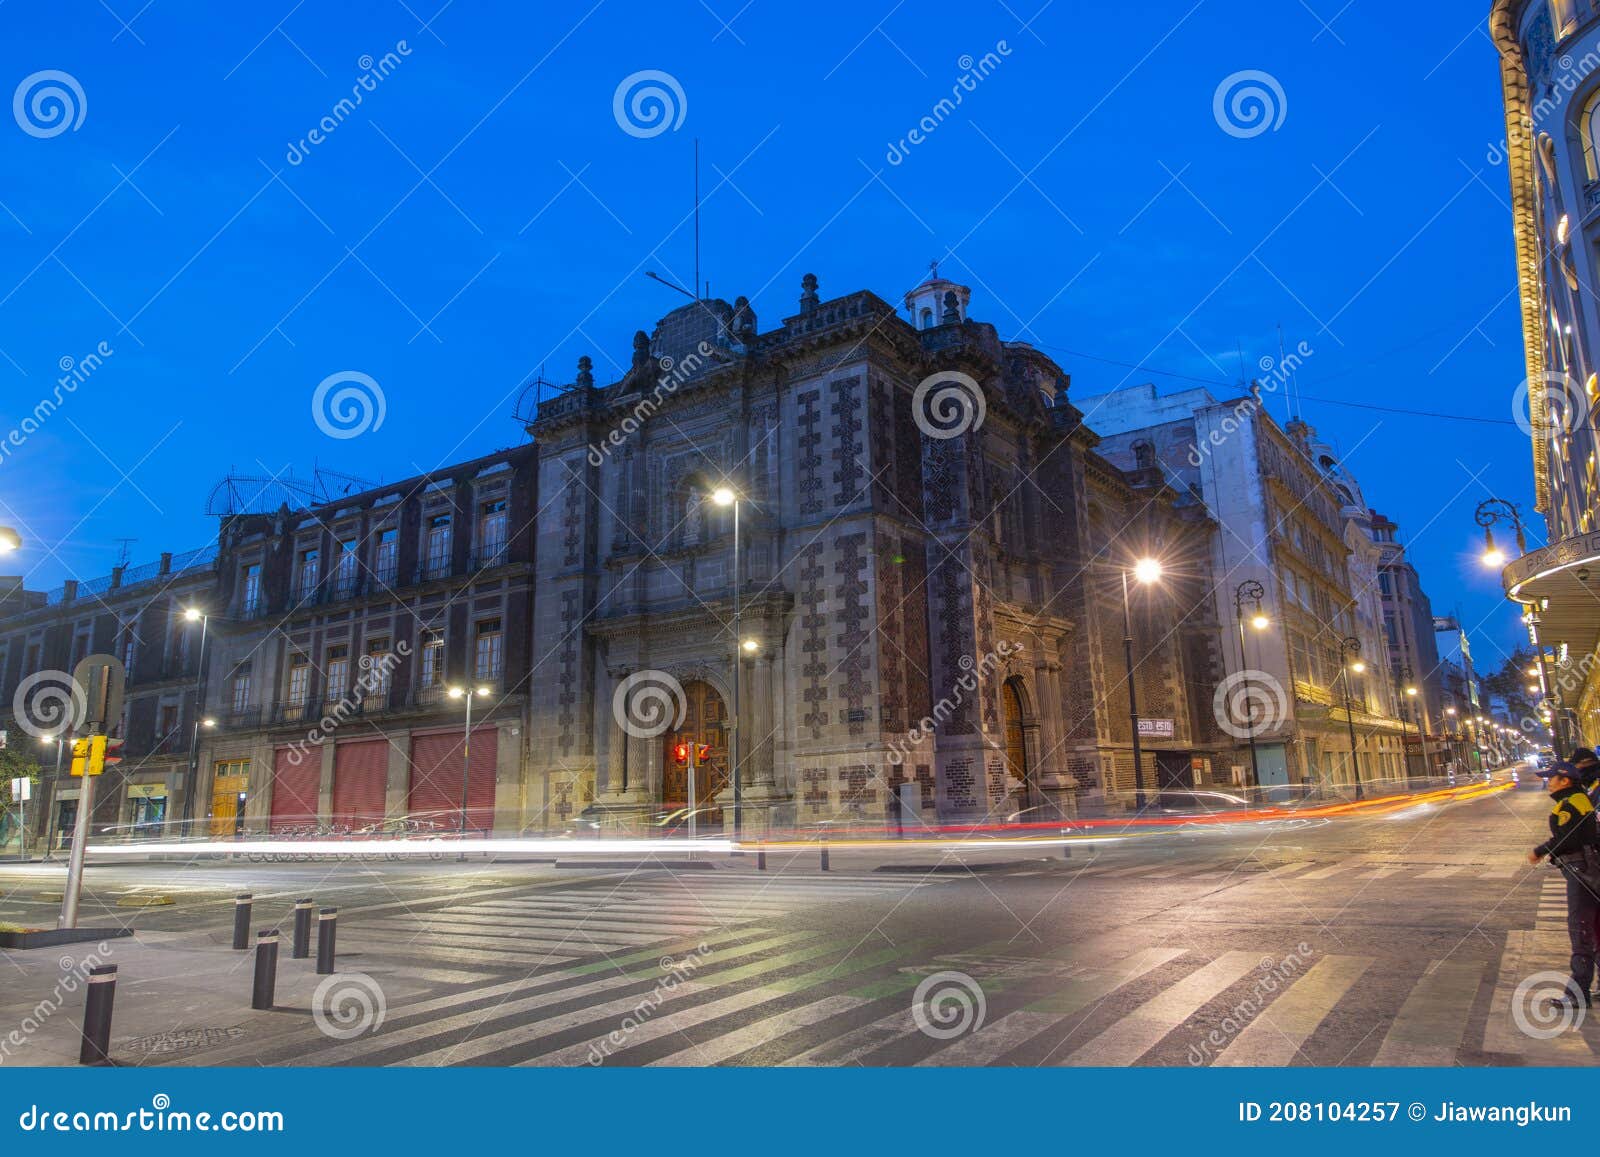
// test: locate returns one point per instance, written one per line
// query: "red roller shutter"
(436, 778)
(295, 787)
(360, 782)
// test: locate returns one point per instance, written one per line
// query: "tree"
(15, 763)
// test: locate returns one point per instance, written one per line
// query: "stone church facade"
(930, 578)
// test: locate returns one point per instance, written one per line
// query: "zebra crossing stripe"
(545, 983)
(689, 1018)
(771, 1028)
(1428, 1029)
(994, 1040)
(1441, 872)
(1324, 873)
(513, 926)
(1141, 1030)
(1274, 1038)
(518, 1035)
(1527, 953)
(553, 938)
(471, 918)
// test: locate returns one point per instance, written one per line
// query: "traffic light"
(680, 753)
(702, 753)
(112, 752)
(80, 756)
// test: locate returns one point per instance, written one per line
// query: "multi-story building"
(934, 569)
(137, 615)
(338, 632)
(1291, 524)
(1550, 72)
(1413, 651)
(920, 603)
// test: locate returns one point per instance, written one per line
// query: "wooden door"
(705, 721)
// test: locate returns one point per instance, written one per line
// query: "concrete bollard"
(327, 930)
(302, 930)
(824, 851)
(241, 921)
(96, 1047)
(266, 984)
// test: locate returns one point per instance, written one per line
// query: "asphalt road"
(1399, 940)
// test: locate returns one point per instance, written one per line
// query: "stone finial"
(952, 309)
(641, 352)
(808, 298)
(744, 319)
(585, 371)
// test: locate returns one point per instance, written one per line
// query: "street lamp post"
(195, 614)
(466, 754)
(1254, 592)
(1147, 571)
(726, 496)
(1420, 710)
(1347, 647)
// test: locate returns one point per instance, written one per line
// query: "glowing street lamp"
(196, 615)
(1496, 510)
(1147, 571)
(10, 540)
(727, 496)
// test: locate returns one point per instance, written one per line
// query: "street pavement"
(1399, 940)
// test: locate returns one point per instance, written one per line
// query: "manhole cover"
(178, 1041)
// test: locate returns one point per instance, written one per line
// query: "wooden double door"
(705, 722)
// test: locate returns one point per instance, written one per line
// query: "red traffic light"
(702, 753)
(113, 753)
(680, 753)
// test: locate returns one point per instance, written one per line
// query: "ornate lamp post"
(727, 496)
(1146, 571)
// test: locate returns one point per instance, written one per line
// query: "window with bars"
(338, 671)
(492, 532)
(310, 571)
(438, 562)
(240, 692)
(388, 555)
(432, 660)
(379, 673)
(299, 681)
(488, 651)
(344, 578)
(250, 590)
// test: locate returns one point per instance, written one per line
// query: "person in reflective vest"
(1572, 830)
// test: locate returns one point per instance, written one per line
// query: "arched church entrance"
(705, 722)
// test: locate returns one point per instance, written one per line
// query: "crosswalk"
(527, 931)
(1361, 867)
(658, 970)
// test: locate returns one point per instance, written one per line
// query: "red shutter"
(436, 779)
(360, 782)
(295, 787)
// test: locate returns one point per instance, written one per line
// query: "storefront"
(147, 809)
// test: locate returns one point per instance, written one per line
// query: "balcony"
(242, 718)
(493, 554)
(294, 711)
(431, 696)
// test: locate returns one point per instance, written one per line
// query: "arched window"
(1590, 131)
(927, 318)
(1144, 455)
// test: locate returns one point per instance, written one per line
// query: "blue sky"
(482, 213)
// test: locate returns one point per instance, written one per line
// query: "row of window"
(488, 666)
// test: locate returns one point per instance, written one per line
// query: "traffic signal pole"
(80, 841)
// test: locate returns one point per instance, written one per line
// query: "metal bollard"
(266, 970)
(96, 1048)
(1066, 851)
(302, 930)
(824, 850)
(761, 860)
(327, 930)
(241, 921)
